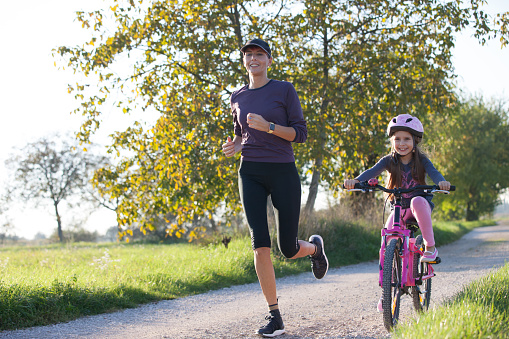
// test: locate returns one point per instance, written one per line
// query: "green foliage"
(354, 63)
(479, 311)
(472, 153)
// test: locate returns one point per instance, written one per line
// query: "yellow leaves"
(190, 135)
(174, 229)
(114, 8)
(197, 232)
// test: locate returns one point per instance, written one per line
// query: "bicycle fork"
(403, 236)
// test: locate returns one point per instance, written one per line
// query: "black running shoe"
(274, 327)
(319, 262)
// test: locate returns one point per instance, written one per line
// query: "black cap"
(259, 43)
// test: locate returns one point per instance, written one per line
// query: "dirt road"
(342, 305)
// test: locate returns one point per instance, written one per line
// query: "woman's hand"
(350, 183)
(231, 147)
(444, 185)
(257, 122)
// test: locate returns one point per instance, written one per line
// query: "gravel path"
(342, 305)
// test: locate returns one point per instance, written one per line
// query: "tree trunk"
(59, 222)
(472, 214)
(313, 188)
(315, 179)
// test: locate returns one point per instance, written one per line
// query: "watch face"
(272, 127)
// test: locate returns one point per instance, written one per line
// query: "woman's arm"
(231, 147)
(257, 122)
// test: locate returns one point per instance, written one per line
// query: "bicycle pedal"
(436, 262)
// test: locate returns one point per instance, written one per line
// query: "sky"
(34, 102)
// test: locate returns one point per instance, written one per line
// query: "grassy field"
(50, 284)
(481, 310)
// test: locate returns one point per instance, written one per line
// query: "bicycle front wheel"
(391, 284)
(421, 292)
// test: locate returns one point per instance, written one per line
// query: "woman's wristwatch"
(272, 127)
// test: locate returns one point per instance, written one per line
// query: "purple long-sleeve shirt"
(276, 102)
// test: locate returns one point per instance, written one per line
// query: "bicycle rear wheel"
(421, 292)
(391, 284)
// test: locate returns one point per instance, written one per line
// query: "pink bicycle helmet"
(405, 122)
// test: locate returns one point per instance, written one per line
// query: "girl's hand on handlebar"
(350, 183)
(444, 185)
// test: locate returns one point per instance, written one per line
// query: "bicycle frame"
(398, 250)
(399, 232)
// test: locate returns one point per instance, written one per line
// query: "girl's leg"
(390, 220)
(421, 211)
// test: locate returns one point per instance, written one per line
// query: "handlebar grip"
(358, 185)
(453, 188)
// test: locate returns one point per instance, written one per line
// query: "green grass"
(51, 284)
(481, 310)
(450, 231)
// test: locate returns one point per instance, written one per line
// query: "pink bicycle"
(401, 271)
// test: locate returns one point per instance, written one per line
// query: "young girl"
(407, 166)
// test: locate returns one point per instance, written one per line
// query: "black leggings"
(258, 180)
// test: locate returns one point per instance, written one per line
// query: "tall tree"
(354, 63)
(52, 170)
(471, 149)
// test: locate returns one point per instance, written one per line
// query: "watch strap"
(272, 127)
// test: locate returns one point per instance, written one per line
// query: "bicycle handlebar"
(365, 186)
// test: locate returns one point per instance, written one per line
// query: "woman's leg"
(254, 194)
(286, 198)
(266, 276)
(286, 194)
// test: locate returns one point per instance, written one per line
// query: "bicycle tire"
(421, 292)
(391, 284)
